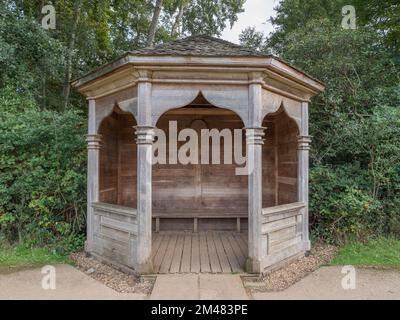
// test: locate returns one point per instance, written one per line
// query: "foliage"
(42, 178)
(356, 129)
(42, 147)
(29, 60)
(252, 39)
(377, 252)
(17, 257)
(355, 123)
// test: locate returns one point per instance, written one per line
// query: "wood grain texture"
(118, 160)
(279, 160)
(203, 252)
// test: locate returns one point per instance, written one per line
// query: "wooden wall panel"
(269, 176)
(287, 133)
(118, 160)
(279, 160)
(197, 189)
(109, 160)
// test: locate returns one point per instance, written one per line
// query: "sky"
(256, 13)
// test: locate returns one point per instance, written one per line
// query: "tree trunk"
(178, 19)
(154, 21)
(69, 53)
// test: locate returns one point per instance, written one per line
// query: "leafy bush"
(340, 209)
(355, 159)
(42, 178)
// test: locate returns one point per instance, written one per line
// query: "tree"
(154, 21)
(252, 39)
(69, 52)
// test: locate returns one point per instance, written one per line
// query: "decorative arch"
(165, 100)
(272, 103)
(125, 101)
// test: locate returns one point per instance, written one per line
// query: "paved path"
(198, 286)
(70, 284)
(326, 283)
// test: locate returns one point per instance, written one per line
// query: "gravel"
(288, 275)
(111, 277)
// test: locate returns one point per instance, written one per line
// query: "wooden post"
(254, 142)
(144, 140)
(93, 145)
(304, 141)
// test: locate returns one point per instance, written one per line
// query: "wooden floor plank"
(187, 251)
(155, 245)
(233, 261)
(242, 244)
(212, 253)
(195, 256)
(166, 263)
(177, 256)
(237, 251)
(160, 253)
(222, 255)
(207, 251)
(204, 258)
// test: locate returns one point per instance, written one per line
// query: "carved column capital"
(93, 141)
(303, 142)
(144, 75)
(144, 134)
(254, 135)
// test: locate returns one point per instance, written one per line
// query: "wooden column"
(93, 145)
(144, 140)
(254, 142)
(304, 141)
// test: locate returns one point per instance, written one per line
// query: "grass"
(380, 252)
(20, 257)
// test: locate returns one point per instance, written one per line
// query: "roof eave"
(267, 62)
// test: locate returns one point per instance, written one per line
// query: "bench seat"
(199, 215)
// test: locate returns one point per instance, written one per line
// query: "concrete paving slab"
(198, 286)
(223, 287)
(326, 283)
(70, 284)
(176, 287)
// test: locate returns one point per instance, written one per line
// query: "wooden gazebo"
(196, 217)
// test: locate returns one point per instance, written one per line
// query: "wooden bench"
(196, 216)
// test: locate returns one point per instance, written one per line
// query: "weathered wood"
(186, 255)
(212, 253)
(240, 256)
(181, 189)
(218, 92)
(197, 252)
(222, 255)
(204, 258)
(230, 254)
(166, 263)
(195, 255)
(160, 254)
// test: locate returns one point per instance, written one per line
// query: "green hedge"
(43, 178)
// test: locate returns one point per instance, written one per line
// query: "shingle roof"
(200, 45)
